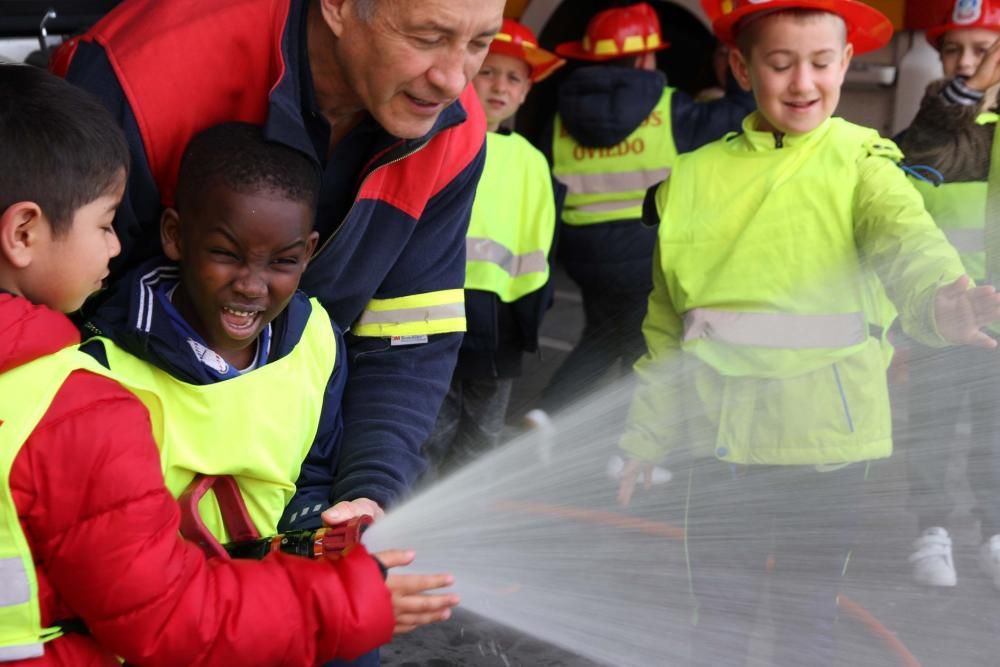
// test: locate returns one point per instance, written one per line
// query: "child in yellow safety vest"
(92, 568)
(618, 131)
(507, 281)
(766, 355)
(953, 135)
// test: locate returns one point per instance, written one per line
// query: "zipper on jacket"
(361, 186)
(779, 140)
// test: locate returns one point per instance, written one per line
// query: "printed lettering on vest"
(635, 146)
(654, 119)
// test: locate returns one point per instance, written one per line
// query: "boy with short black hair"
(767, 356)
(242, 373)
(92, 564)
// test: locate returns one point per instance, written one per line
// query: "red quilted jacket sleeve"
(104, 533)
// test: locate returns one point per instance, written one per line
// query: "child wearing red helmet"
(953, 134)
(765, 330)
(510, 235)
(618, 131)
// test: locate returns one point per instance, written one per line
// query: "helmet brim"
(935, 34)
(542, 63)
(575, 51)
(867, 28)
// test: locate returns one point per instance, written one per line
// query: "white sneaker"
(989, 559)
(616, 465)
(931, 558)
(540, 425)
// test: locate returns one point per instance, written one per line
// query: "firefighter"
(388, 119)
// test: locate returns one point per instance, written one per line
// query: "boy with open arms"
(91, 562)
(775, 245)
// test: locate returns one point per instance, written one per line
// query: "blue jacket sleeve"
(312, 494)
(698, 123)
(394, 392)
(137, 221)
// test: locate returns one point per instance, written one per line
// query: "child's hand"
(411, 604)
(987, 74)
(350, 509)
(630, 476)
(960, 312)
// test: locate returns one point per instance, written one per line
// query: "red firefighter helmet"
(867, 28)
(966, 14)
(618, 33)
(517, 41)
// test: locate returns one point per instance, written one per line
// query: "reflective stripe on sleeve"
(15, 589)
(418, 314)
(967, 240)
(488, 250)
(21, 652)
(14, 585)
(791, 331)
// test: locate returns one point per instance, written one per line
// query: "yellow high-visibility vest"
(606, 184)
(26, 392)
(257, 427)
(513, 221)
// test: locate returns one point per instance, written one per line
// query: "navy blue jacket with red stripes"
(392, 214)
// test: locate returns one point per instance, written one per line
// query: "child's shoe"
(540, 425)
(989, 559)
(931, 558)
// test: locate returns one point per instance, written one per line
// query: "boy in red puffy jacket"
(91, 565)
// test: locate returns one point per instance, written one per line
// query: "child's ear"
(741, 69)
(848, 54)
(311, 241)
(524, 92)
(170, 234)
(22, 227)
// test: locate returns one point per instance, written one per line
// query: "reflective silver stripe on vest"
(406, 315)
(22, 652)
(604, 207)
(488, 250)
(622, 181)
(14, 586)
(967, 240)
(14, 590)
(776, 330)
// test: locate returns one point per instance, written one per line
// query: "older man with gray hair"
(376, 93)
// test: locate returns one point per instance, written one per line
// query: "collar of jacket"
(132, 318)
(762, 140)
